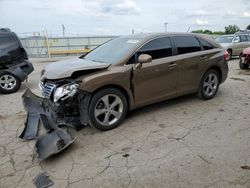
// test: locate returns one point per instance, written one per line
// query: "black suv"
(14, 64)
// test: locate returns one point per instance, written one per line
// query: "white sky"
(118, 17)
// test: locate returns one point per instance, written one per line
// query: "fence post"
(47, 42)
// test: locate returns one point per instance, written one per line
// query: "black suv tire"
(9, 78)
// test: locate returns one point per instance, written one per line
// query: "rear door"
(242, 43)
(191, 62)
(158, 79)
(248, 41)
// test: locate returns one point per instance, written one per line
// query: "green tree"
(218, 32)
(207, 32)
(231, 29)
(197, 31)
(248, 27)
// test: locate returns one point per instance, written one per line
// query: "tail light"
(226, 55)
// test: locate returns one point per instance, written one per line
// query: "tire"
(9, 83)
(209, 85)
(102, 115)
(243, 65)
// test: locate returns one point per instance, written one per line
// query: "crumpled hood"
(65, 68)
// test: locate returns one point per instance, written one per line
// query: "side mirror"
(144, 58)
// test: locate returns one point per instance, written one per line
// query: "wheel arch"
(118, 87)
(216, 68)
(230, 49)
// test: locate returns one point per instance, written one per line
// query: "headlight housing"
(65, 91)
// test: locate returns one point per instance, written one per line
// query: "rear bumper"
(40, 110)
(21, 70)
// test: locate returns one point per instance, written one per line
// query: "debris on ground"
(42, 180)
(245, 167)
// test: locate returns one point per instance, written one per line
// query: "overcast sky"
(118, 17)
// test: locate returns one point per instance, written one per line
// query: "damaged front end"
(245, 57)
(62, 107)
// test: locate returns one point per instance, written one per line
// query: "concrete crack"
(202, 158)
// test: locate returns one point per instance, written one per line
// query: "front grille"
(47, 89)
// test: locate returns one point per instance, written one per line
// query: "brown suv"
(123, 74)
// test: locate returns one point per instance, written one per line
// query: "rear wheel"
(107, 109)
(209, 85)
(9, 83)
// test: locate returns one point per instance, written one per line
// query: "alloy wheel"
(108, 110)
(210, 84)
(7, 82)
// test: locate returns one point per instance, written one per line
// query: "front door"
(155, 80)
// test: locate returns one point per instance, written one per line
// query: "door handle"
(203, 57)
(172, 65)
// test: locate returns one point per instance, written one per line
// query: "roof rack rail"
(243, 31)
(5, 29)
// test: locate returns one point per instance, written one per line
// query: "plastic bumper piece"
(38, 110)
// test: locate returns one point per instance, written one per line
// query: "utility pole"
(166, 25)
(63, 28)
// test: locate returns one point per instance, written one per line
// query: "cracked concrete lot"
(185, 142)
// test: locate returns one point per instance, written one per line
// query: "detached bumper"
(40, 110)
(21, 70)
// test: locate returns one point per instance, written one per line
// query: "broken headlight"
(65, 92)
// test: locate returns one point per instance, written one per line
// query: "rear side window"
(205, 44)
(186, 44)
(243, 38)
(7, 43)
(157, 48)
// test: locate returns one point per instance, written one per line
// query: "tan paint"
(160, 79)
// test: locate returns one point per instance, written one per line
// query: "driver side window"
(157, 48)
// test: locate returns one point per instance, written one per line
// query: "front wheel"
(107, 109)
(9, 83)
(243, 65)
(209, 85)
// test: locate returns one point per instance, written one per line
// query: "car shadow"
(160, 105)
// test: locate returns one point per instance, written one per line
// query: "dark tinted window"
(7, 43)
(157, 48)
(206, 45)
(186, 44)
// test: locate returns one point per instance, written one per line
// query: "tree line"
(231, 29)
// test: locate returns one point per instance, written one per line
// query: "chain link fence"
(37, 44)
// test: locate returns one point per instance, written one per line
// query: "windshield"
(224, 39)
(112, 51)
